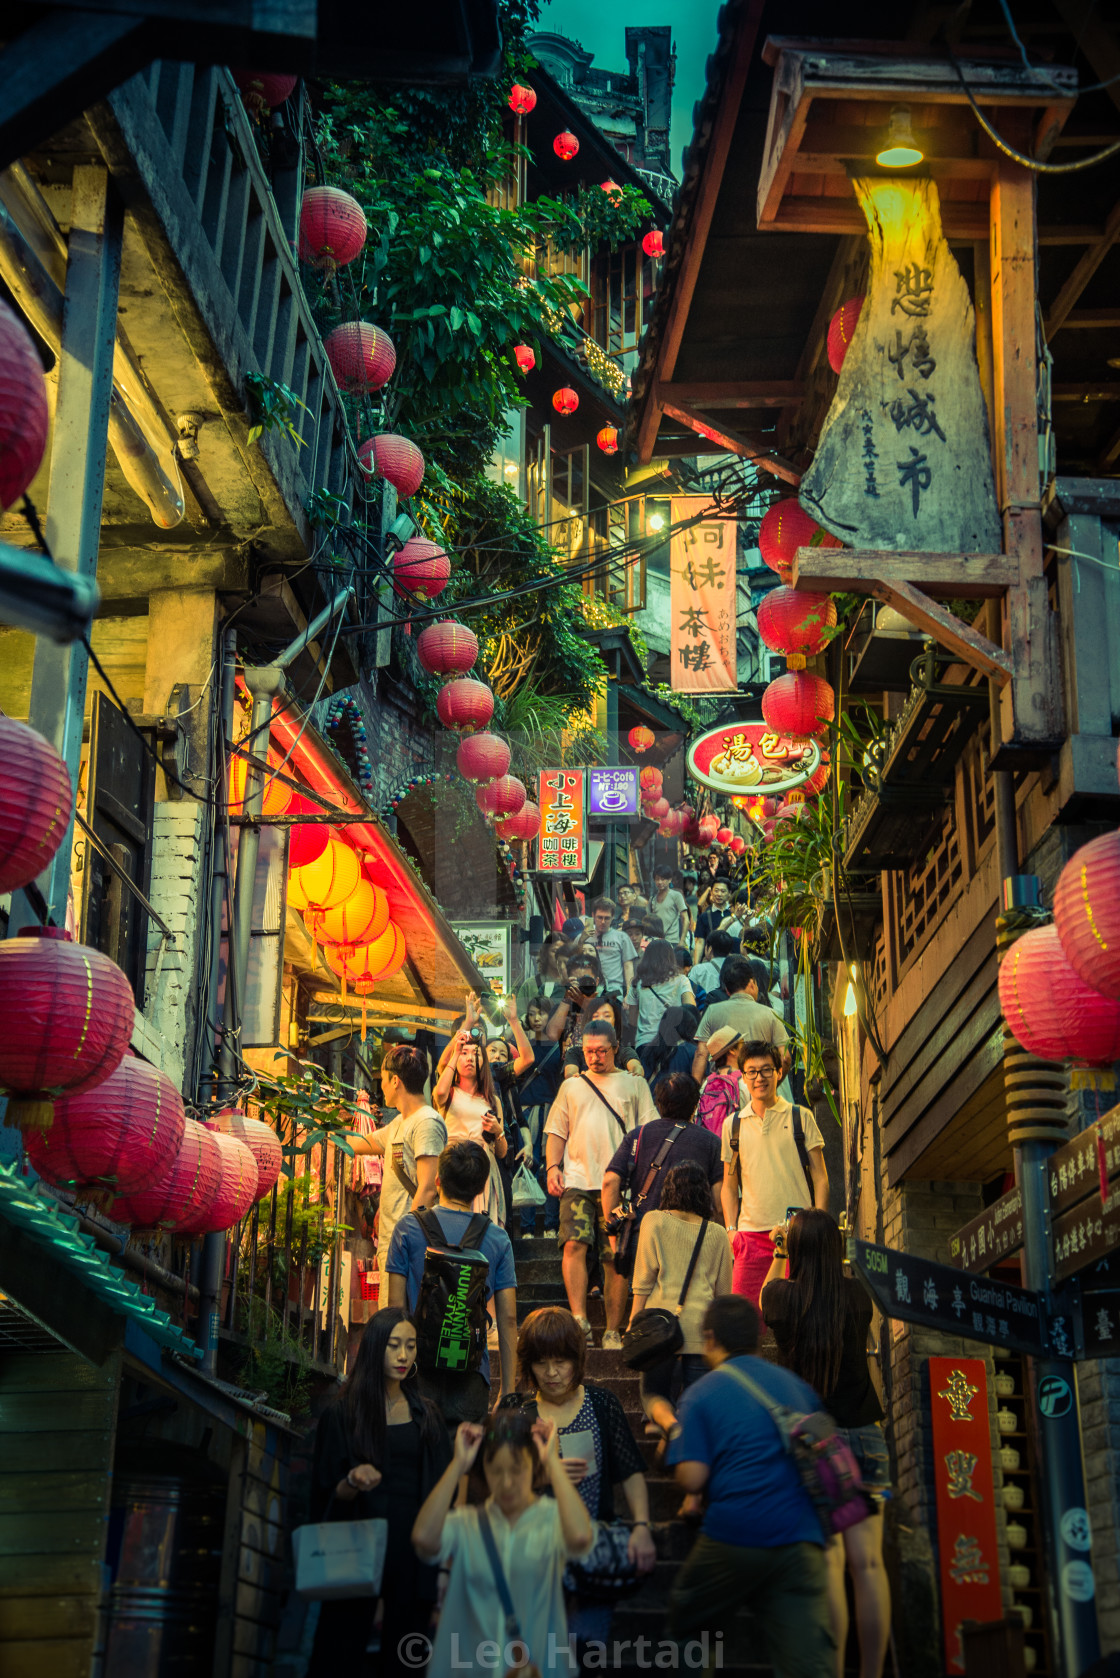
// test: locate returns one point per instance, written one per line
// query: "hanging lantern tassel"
(29, 1113)
(1084, 1077)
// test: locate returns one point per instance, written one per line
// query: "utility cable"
(1037, 70)
(1017, 156)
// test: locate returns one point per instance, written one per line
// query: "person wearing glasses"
(616, 954)
(773, 1160)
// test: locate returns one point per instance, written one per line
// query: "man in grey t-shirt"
(668, 907)
(613, 947)
(752, 1019)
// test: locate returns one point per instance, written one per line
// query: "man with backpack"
(444, 1267)
(728, 1445)
(642, 1161)
(773, 1159)
(586, 1123)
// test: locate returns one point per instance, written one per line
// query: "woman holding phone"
(471, 1108)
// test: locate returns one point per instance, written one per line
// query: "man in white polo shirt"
(773, 1160)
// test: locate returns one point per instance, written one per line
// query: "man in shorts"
(585, 1125)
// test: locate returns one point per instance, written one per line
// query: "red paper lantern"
(308, 840)
(1087, 913)
(362, 357)
(332, 228)
(503, 797)
(609, 187)
(687, 811)
(818, 780)
(327, 881)
(447, 648)
(278, 794)
(650, 779)
(361, 968)
(565, 146)
(396, 459)
(359, 920)
(737, 844)
(236, 1191)
(658, 809)
(522, 99)
(262, 1142)
(798, 704)
(525, 357)
(187, 1190)
(422, 568)
(68, 1014)
(35, 802)
(482, 757)
(465, 704)
(724, 836)
(122, 1135)
(790, 811)
(524, 824)
(654, 242)
(263, 90)
(707, 827)
(841, 329)
(565, 400)
(1048, 1006)
(785, 527)
(607, 439)
(796, 624)
(24, 416)
(641, 739)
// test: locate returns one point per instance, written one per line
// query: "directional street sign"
(1083, 1166)
(992, 1237)
(1086, 1234)
(920, 1291)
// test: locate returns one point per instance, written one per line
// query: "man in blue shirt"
(461, 1174)
(727, 1445)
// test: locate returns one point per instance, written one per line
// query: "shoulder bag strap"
(776, 1411)
(662, 1154)
(432, 1227)
(616, 1116)
(696, 1246)
(802, 1150)
(513, 1630)
(735, 1126)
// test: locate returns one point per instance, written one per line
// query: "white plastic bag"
(339, 1559)
(526, 1191)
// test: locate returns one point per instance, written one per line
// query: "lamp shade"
(447, 648)
(68, 1014)
(565, 146)
(235, 1193)
(503, 797)
(362, 357)
(1048, 1006)
(798, 704)
(187, 1190)
(262, 1142)
(522, 99)
(364, 965)
(795, 623)
(524, 824)
(306, 841)
(396, 459)
(36, 801)
(641, 739)
(650, 779)
(277, 794)
(482, 757)
(363, 916)
(421, 567)
(841, 329)
(123, 1135)
(565, 400)
(1087, 913)
(24, 415)
(328, 881)
(654, 242)
(332, 228)
(785, 527)
(607, 439)
(465, 704)
(525, 357)
(264, 90)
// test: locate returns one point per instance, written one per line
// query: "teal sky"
(601, 29)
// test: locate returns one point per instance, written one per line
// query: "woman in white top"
(533, 1537)
(471, 1108)
(658, 984)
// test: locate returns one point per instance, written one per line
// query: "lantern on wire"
(363, 967)
(707, 827)
(641, 739)
(278, 794)
(396, 459)
(798, 704)
(359, 919)
(236, 1190)
(501, 797)
(611, 188)
(657, 809)
(482, 757)
(36, 802)
(447, 648)
(565, 146)
(654, 242)
(24, 415)
(737, 844)
(186, 1191)
(421, 567)
(565, 400)
(724, 836)
(68, 1014)
(306, 840)
(523, 825)
(263, 90)
(650, 778)
(1087, 913)
(525, 357)
(328, 881)
(785, 527)
(818, 780)
(261, 1141)
(841, 330)
(796, 624)
(332, 229)
(362, 357)
(121, 1136)
(1050, 1009)
(607, 439)
(522, 99)
(465, 704)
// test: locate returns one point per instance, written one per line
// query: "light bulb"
(901, 150)
(850, 1001)
(656, 521)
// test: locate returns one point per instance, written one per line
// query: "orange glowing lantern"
(277, 795)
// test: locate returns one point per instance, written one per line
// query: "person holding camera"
(585, 979)
(607, 1008)
(472, 1111)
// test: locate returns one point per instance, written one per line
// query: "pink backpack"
(719, 1098)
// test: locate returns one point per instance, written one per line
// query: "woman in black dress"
(379, 1449)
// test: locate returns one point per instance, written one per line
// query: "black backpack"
(451, 1319)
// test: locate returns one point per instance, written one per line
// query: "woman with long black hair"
(820, 1319)
(659, 985)
(379, 1449)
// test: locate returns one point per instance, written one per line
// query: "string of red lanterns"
(332, 229)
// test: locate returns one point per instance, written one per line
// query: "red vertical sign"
(563, 838)
(966, 1511)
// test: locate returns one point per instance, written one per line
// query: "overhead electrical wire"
(1034, 164)
(1038, 70)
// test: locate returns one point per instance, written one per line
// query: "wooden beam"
(1091, 259)
(736, 393)
(947, 629)
(963, 222)
(1074, 234)
(950, 576)
(747, 448)
(645, 442)
(1094, 38)
(1092, 320)
(1110, 453)
(1092, 391)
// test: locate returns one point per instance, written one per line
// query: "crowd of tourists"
(636, 1111)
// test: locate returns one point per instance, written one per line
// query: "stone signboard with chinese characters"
(968, 1550)
(992, 1237)
(903, 462)
(920, 1291)
(703, 604)
(747, 757)
(562, 847)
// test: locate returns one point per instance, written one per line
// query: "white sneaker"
(586, 1327)
(550, 1235)
(612, 1341)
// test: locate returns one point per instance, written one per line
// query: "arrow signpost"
(920, 1291)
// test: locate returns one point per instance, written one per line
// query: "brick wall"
(177, 854)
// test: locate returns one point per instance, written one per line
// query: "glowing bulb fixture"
(901, 150)
(655, 521)
(850, 1006)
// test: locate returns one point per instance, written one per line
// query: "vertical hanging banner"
(563, 806)
(702, 602)
(966, 1511)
